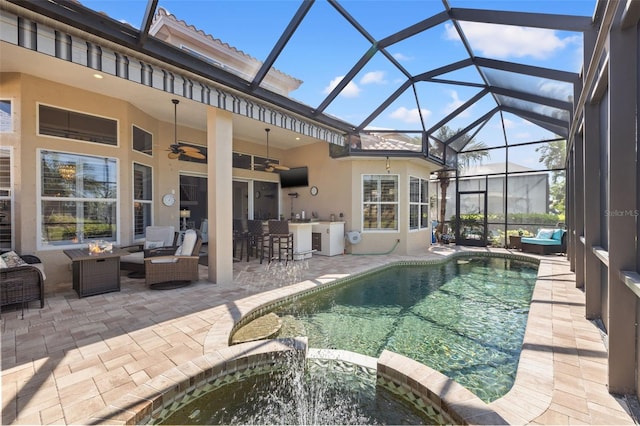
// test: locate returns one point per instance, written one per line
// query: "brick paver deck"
(75, 356)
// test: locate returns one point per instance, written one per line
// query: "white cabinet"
(301, 240)
(331, 238)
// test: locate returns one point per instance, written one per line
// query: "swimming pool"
(465, 318)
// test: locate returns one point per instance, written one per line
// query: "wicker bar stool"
(280, 240)
(257, 238)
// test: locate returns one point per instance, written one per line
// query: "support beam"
(623, 88)
(220, 195)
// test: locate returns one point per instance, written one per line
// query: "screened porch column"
(220, 145)
(623, 86)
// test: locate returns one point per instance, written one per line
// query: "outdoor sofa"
(546, 241)
(21, 279)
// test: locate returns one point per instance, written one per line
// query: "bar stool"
(280, 239)
(240, 235)
(256, 237)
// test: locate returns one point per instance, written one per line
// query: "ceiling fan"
(176, 149)
(270, 166)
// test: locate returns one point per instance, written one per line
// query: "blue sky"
(325, 47)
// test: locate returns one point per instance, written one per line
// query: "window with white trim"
(380, 202)
(142, 140)
(418, 203)
(75, 125)
(6, 117)
(6, 204)
(142, 199)
(77, 199)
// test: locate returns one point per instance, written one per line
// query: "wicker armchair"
(164, 272)
(159, 240)
(22, 284)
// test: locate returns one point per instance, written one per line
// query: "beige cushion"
(188, 243)
(137, 257)
(160, 233)
(164, 259)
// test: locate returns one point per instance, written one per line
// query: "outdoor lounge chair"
(178, 269)
(159, 240)
(546, 241)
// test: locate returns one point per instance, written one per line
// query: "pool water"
(465, 318)
(320, 393)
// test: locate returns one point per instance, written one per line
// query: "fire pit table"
(95, 273)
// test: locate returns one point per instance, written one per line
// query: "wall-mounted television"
(298, 176)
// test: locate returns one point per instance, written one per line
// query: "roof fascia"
(86, 20)
(524, 19)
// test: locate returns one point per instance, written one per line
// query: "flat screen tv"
(298, 176)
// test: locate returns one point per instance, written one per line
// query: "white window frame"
(40, 198)
(422, 203)
(379, 203)
(11, 116)
(10, 196)
(141, 201)
(117, 145)
(132, 144)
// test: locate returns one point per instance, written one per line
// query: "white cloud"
(373, 77)
(410, 115)
(508, 124)
(455, 103)
(402, 57)
(524, 136)
(508, 41)
(351, 90)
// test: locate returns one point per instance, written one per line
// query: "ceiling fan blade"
(195, 154)
(268, 168)
(186, 148)
(279, 167)
(173, 155)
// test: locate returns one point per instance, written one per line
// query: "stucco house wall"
(339, 180)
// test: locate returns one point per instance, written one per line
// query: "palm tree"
(475, 152)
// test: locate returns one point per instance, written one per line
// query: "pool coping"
(529, 397)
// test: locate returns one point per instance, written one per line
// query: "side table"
(514, 242)
(95, 273)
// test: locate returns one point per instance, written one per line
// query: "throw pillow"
(545, 234)
(3, 264)
(557, 234)
(153, 244)
(12, 260)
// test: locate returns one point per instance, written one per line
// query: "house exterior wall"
(339, 181)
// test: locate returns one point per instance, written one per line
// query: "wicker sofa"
(547, 241)
(22, 284)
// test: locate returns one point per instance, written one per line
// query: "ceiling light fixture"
(67, 171)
